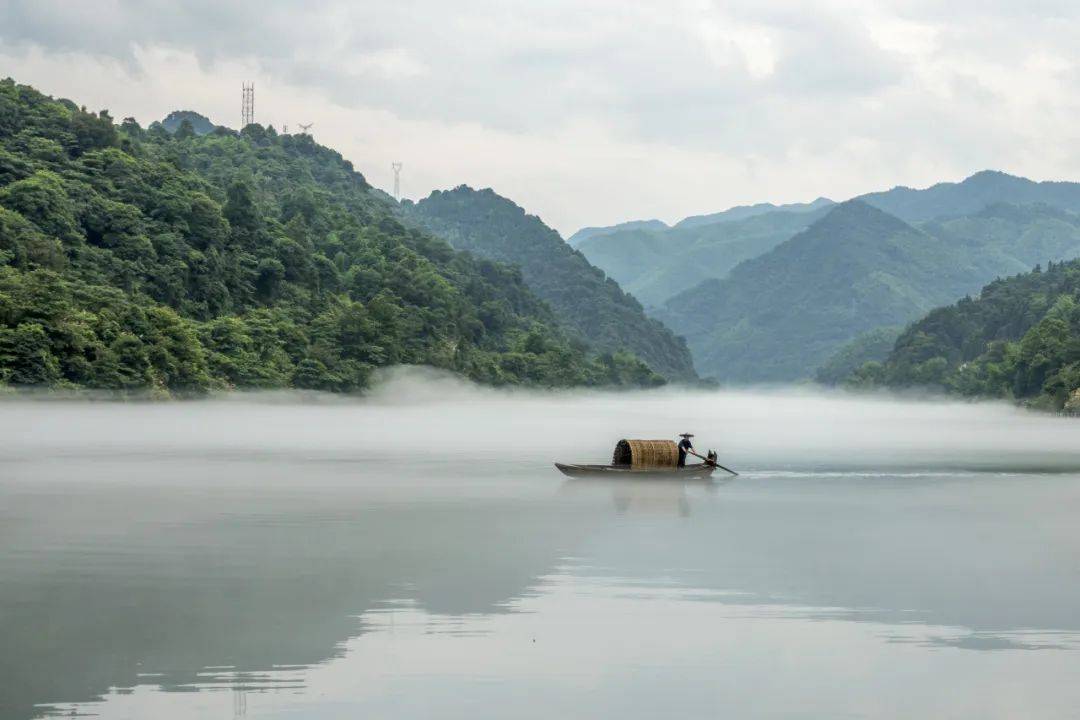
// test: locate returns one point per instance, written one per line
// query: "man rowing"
(685, 446)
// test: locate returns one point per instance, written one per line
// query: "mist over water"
(414, 553)
(424, 415)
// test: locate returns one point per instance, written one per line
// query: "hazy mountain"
(1011, 238)
(872, 345)
(741, 212)
(781, 315)
(654, 262)
(587, 302)
(655, 265)
(590, 232)
(972, 195)
(199, 123)
(1019, 338)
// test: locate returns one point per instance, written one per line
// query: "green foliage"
(1020, 338)
(587, 304)
(196, 124)
(781, 315)
(655, 262)
(870, 346)
(134, 260)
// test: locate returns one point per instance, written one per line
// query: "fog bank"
(426, 415)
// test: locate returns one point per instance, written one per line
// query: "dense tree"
(134, 260)
(782, 315)
(585, 302)
(1019, 338)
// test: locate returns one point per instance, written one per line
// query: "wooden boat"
(649, 459)
(698, 471)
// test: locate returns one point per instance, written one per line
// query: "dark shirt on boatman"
(684, 445)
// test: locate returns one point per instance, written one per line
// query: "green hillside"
(1019, 338)
(200, 124)
(780, 316)
(870, 346)
(654, 265)
(133, 259)
(588, 304)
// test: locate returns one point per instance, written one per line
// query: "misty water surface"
(415, 554)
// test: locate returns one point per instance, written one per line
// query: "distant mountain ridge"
(741, 212)
(972, 195)
(780, 316)
(588, 304)
(654, 266)
(590, 232)
(988, 224)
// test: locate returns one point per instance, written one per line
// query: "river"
(414, 554)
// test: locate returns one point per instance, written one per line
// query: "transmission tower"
(248, 105)
(397, 179)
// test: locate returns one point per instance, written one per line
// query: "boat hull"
(690, 472)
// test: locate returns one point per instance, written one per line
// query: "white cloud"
(596, 112)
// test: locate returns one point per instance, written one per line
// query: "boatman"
(684, 446)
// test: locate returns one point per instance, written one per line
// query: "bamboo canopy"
(647, 454)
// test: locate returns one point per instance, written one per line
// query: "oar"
(712, 462)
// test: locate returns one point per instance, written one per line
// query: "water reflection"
(597, 647)
(641, 496)
(197, 574)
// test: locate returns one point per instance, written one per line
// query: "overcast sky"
(592, 112)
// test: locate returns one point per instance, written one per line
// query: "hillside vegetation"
(588, 305)
(200, 124)
(133, 259)
(780, 316)
(656, 264)
(1020, 338)
(872, 345)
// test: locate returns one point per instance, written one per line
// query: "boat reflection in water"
(645, 495)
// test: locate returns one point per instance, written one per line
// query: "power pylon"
(397, 179)
(247, 105)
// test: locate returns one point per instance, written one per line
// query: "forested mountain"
(653, 262)
(590, 232)
(1013, 238)
(134, 259)
(588, 304)
(870, 346)
(200, 124)
(1019, 338)
(654, 265)
(972, 195)
(781, 315)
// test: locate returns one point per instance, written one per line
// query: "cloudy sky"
(592, 112)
